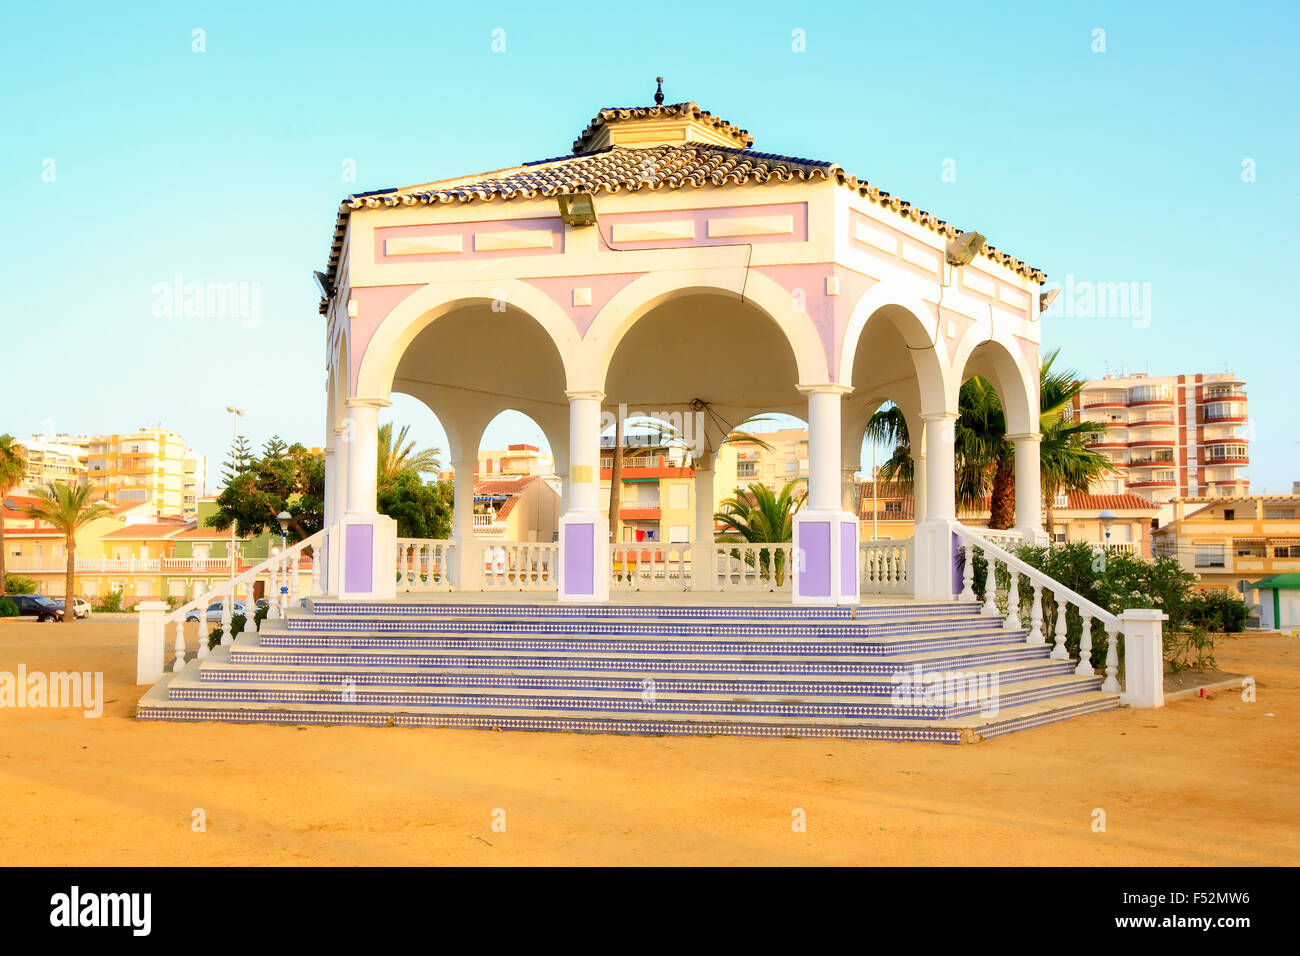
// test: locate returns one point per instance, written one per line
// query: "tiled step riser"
(641, 611)
(654, 728)
(631, 629)
(999, 729)
(633, 704)
(663, 685)
(542, 645)
(774, 669)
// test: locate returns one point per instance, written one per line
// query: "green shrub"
(236, 626)
(111, 604)
(1192, 647)
(16, 584)
(1217, 611)
(8, 608)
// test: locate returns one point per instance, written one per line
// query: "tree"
(12, 464)
(985, 459)
(761, 516)
(285, 478)
(241, 456)
(67, 508)
(399, 455)
(422, 509)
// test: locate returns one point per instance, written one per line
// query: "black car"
(33, 605)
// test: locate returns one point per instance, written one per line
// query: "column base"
(704, 572)
(467, 560)
(1034, 537)
(584, 558)
(363, 558)
(935, 566)
(825, 557)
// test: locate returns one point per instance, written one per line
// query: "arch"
(422, 308)
(912, 319)
(992, 353)
(640, 297)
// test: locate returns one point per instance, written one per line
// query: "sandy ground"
(1203, 781)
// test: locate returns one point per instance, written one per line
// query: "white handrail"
(275, 560)
(1034, 575)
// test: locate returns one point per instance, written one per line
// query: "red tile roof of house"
(501, 486)
(1082, 501)
(206, 534)
(147, 532)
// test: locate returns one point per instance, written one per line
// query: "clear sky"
(1170, 159)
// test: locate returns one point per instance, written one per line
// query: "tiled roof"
(611, 115)
(1080, 501)
(133, 532)
(19, 502)
(206, 534)
(617, 168)
(501, 487)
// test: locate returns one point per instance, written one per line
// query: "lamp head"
(284, 518)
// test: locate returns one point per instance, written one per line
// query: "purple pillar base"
(825, 558)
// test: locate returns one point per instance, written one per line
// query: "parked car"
(214, 612)
(33, 605)
(79, 607)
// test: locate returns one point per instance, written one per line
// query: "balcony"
(1153, 484)
(1147, 402)
(1108, 443)
(1106, 402)
(1153, 443)
(1225, 395)
(1154, 421)
(1150, 462)
(1224, 412)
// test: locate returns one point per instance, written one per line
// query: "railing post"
(1110, 685)
(151, 639)
(968, 573)
(1059, 652)
(990, 607)
(1012, 623)
(1084, 667)
(227, 614)
(1144, 670)
(250, 607)
(1036, 618)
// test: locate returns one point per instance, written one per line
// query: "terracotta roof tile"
(618, 168)
(612, 115)
(1079, 501)
(134, 532)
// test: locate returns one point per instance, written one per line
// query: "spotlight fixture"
(323, 281)
(578, 209)
(963, 248)
(1045, 299)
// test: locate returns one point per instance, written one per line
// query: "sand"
(1202, 781)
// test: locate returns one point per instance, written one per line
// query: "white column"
(367, 547)
(1029, 487)
(825, 535)
(918, 482)
(468, 556)
(703, 574)
(584, 529)
(848, 487)
(1144, 667)
(933, 544)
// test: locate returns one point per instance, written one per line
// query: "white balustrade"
(280, 567)
(650, 566)
(745, 566)
(1146, 623)
(521, 566)
(424, 564)
(885, 567)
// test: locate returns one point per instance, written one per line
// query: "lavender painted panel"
(358, 558)
(579, 559)
(814, 537)
(848, 559)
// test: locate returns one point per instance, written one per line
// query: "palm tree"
(758, 515)
(399, 455)
(12, 464)
(985, 459)
(67, 508)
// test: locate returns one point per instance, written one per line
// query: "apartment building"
(1172, 437)
(521, 459)
(151, 465)
(60, 458)
(784, 461)
(1231, 540)
(517, 508)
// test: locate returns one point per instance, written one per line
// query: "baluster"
(1012, 623)
(968, 574)
(180, 644)
(1059, 653)
(1085, 647)
(272, 595)
(315, 571)
(1111, 684)
(250, 607)
(1036, 618)
(990, 586)
(295, 579)
(227, 615)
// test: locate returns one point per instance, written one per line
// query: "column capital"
(592, 394)
(368, 402)
(328, 450)
(940, 416)
(826, 388)
(1026, 436)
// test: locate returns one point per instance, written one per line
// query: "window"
(679, 498)
(1279, 514)
(1249, 549)
(746, 469)
(1286, 551)
(893, 507)
(679, 534)
(1209, 556)
(1229, 514)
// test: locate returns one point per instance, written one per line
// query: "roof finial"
(659, 93)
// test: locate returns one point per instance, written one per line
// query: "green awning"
(1287, 580)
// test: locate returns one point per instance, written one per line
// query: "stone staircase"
(764, 670)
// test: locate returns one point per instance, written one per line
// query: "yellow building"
(150, 465)
(61, 458)
(1228, 540)
(785, 461)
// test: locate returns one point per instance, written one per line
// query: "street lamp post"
(235, 414)
(1107, 519)
(284, 518)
